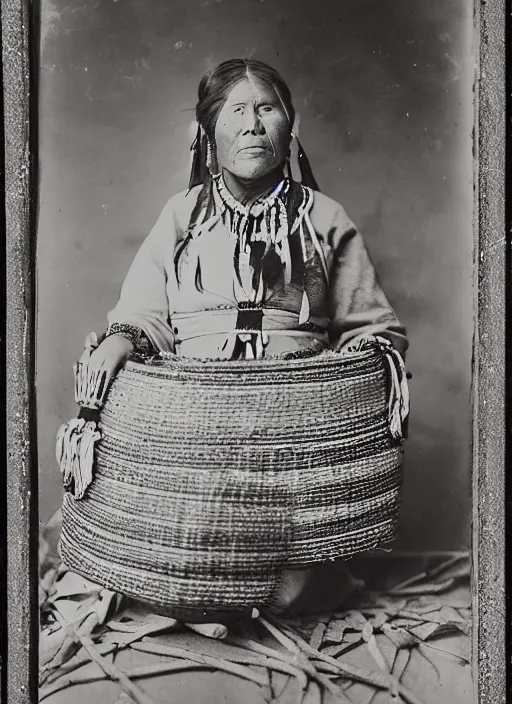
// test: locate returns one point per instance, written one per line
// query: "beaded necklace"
(255, 228)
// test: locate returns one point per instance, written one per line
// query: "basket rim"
(327, 359)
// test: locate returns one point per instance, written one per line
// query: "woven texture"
(211, 478)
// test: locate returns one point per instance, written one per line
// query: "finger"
(95, 379)
(210, 630)
(90, 373)
(97, 383)
(81, 371)
(86, 381)
(77, 373)
(106, 376)
(102, 386)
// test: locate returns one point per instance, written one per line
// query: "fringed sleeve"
(143, 301)
(357, 302)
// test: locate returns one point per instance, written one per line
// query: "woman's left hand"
(98, 366)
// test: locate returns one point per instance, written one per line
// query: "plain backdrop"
(384, 92)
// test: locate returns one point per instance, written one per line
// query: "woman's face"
(252, 133)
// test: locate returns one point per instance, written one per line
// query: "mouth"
(256, 149)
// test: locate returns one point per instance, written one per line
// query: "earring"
(211, 160)
(209, 156)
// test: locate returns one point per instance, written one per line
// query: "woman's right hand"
(104, 362)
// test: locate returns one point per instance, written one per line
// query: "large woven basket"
(211, 478)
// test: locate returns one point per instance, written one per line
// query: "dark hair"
(214, 88)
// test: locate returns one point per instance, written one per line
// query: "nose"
(253, 124)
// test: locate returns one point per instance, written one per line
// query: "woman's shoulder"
(184, 201)
(324, 202)
(179, 207)
(327, 213)
(187, 197)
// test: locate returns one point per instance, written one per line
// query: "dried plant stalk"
(219, 663)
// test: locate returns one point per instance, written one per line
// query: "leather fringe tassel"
(399, 396)
(75, 454)
(77, 438)
(399, 400)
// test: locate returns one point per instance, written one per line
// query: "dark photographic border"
(19, 562)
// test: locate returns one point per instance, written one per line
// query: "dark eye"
(239, 109)
(267, 108)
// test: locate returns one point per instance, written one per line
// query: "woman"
(247, 263)
(246, 248)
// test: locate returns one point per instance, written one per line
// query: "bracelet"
(130, 332)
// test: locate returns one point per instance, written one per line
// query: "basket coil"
(211, 478)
